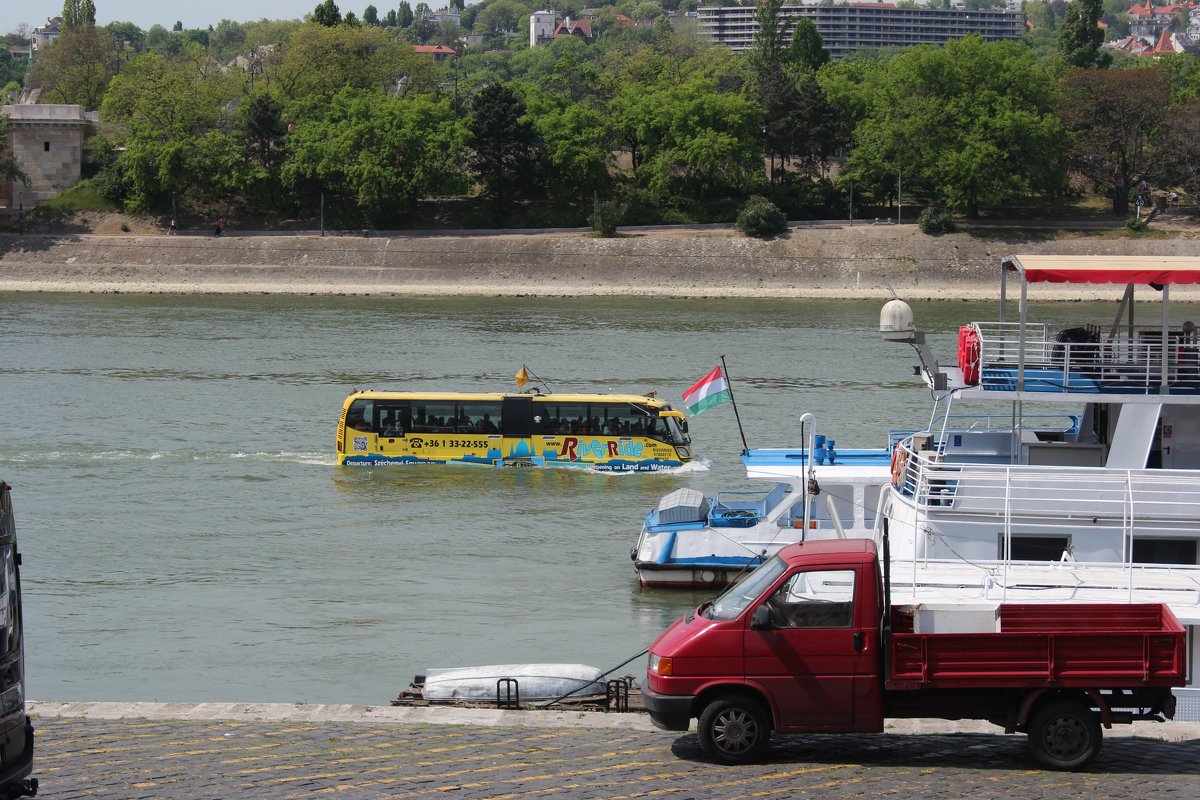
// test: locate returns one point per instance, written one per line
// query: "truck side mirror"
(761, 619)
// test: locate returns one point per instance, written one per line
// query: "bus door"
(392, 423)
(516, 423)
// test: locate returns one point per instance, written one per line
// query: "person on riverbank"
(219, 225)
(171, 227)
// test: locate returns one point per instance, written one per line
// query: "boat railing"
(967, 423)
(1005, 580)
(1082, 359)
(1025, 500)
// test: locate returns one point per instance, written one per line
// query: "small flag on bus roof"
(711, 390)
(522, 377)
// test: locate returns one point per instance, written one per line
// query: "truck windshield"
(738, 597)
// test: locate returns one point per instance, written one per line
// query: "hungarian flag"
(711, 390)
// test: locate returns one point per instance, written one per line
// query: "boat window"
(361, 415)
(738, 597)
(1164, 551)
(1037, 548)
(814, 599)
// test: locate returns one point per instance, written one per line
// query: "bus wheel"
(735, 730)
(1065, 735)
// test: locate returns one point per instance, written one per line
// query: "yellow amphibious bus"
(611, 432)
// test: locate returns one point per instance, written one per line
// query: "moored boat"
(1104, 509)
(508, 684)
(817, 492)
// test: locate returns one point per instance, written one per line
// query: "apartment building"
(855, 26)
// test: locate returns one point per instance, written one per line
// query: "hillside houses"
(1150, 31)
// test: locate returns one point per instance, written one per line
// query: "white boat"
(690, 539)
(509, 684)
(1106, 510)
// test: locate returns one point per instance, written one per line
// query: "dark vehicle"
(16, 729)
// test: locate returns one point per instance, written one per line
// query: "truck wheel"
(734, 730)
(1065, 735)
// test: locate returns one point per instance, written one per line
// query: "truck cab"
(798, 637)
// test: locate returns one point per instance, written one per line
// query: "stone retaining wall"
(829, 261)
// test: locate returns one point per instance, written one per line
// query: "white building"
(541, 27)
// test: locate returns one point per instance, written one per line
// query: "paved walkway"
(210, 751)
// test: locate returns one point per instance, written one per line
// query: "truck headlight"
(661, 666)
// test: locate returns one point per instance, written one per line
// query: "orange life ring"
(899, 461)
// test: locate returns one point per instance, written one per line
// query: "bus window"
(567, 419)
(393, 419)
(360, 414)
(435, 416)
(480, 417)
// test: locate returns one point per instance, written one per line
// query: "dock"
(173, 751)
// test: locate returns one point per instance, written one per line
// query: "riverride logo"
(574, 449)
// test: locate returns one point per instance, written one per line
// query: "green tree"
(370, 16)
(807, 49)
(263, 128)
(576, 147)
(12, 70)
(689, 142)
(1079, 38)
(319, 61)
(500, 143)
(1113, 119)
(77, 68)
(383, 153)
(129, 33)
(77, 15)
(500, 17)
(404, 15)
(964, 124)
(179, 133)
(227, 40)
(9, 171)
(770, 42)
(327, 14)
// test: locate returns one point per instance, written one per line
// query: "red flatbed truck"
(809, 642)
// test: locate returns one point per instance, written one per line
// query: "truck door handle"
(857, 641)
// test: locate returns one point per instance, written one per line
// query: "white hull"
(535, 682)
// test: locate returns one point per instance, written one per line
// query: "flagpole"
(736, 415)
(535, 377)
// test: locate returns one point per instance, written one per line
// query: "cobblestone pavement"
(140, 758)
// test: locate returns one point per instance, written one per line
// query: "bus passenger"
(486, 425)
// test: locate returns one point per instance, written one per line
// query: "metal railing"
(1061, 359)
(975, 502)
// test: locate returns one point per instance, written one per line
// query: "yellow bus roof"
(640, 399)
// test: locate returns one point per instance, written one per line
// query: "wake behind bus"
(604, 432)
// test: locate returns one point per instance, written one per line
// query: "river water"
(186, 534)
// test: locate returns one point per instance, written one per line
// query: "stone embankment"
(813, 261)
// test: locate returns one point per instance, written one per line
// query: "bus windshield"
(738, 597)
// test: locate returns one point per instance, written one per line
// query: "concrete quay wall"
(826, 261)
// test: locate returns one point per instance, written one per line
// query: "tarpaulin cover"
(1160, 270)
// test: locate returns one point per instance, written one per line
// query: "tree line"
(646, 123)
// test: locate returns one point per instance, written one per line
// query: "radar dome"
(896, 321)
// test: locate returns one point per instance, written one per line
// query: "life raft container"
(968, 354)
(899, 464)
